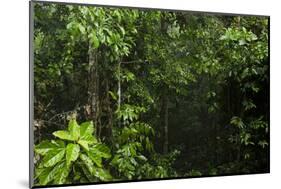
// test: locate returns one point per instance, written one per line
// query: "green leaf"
(115, 160)
(86, 137)
(141, 157)
(87, 173)
(248, 105)
(58, 143)
(122, 30)
(94, 156)
(86, 129)
(65, 135)
(94, 40)
(84, 144)
(46, 176)
(72, 153)
(74, 129)
(242, 42)
(255, 89)
(237, 121)
(86, 133)
(263, 143)
(53, 157)
(113, 96)
(103, 174)
(61, 174)
(81, 28)
(97, 152)
(87, 162)
(38, 172)
(50, 173)
(44, 147)
(102, 150)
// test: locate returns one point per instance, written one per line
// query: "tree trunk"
(93, 87)
(166, 124)
(109, 111)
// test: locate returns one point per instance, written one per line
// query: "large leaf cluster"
(75, 156)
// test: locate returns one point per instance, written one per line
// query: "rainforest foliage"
(127, 94)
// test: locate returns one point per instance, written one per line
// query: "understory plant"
(74, 155)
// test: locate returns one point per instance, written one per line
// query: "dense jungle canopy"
(127, 94)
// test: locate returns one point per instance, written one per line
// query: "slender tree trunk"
(93, 97)
(109, 111)
(98, 108)
(166, 125)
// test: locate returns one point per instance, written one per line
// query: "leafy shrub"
(76, 156)
(136, 158)
(132, 143)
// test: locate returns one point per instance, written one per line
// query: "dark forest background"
(159, 94)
